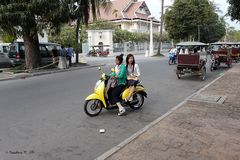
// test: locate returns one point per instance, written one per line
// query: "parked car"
(17, 52)
(4, 61)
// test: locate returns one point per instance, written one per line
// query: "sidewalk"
(205, 127)
(164, 52)
(5, 75)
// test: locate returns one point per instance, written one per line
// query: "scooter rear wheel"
(137, 103)
(93, 107)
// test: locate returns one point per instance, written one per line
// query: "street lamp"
(161, 29)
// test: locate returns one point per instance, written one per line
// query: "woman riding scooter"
(133, 73)
(120, 74)
(110, 92)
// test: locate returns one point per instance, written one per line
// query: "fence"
(137, 47)
(132, 47)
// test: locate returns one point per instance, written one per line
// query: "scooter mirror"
(113, 70)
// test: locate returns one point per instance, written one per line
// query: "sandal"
(121, 112)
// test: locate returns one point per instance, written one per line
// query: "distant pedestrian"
(70, 55)
(54, 55)
(63, 58)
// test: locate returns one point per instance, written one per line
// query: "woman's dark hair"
(127, 60)
(120, 58)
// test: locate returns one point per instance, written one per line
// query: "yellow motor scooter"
(100, 98)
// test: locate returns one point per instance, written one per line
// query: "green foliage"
(121, 36)
(28, 18)
(6, 37)
(30, 15)
(213, 31)
(65, 37)
(80, 11)
(234, 9)
(165, 37)
(102, 24)
(233, 36)
(183, 19)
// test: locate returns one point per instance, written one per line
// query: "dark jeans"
(115, 94)
(70, 61)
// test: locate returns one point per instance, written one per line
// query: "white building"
(101, 39)
(43, 37)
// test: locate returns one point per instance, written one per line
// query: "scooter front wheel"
(93, 107)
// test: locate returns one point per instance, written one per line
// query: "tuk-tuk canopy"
(191, 44)
(101, 46)
(226, 43)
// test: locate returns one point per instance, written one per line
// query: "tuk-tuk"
(192, 59)
(223, 52)
(99, 51)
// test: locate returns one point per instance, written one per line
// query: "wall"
(104, 36)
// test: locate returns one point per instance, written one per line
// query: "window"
(5, 49)
(42, 48)
(13, 48)
(21, 48)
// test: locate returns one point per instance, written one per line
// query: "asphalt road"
(42, 118)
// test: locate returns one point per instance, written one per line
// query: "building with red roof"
(131, 15)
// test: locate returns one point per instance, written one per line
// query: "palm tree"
(80, 11)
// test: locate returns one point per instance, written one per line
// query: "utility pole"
(199, 34)
(151, 37)
(161, 28)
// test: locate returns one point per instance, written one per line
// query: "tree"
(28, 18)
(6, 37)
(214, 30)
(65, 37)
(232, 35)
(191, 20)
(234, 9)
(80, 11)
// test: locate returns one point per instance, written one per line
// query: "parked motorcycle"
(100, 98)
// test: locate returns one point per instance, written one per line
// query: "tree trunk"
(32, 52)
(77, 39)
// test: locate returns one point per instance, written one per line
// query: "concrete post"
(151, 39)
(125, 48)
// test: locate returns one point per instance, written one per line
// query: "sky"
(155, 8)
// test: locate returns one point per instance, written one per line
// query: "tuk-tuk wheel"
(212, 67)
(230, 65)
(179, 75)
(204, 73)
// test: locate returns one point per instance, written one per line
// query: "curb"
(143, 130)
(28, 75)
